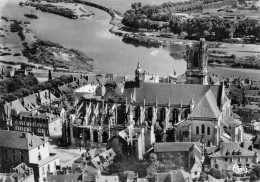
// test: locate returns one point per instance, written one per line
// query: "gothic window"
(203, 129)
(21, 155)
(105, 137)
(39, 156)
(208, 143)
(208, 130)
(150, 114)
(95, 136)
(162, 113)
(88, 134)
(197, 130)
(121, 114)
(196, 60)
(175, 116)
(137, 113)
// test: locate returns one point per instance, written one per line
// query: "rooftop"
(206, 108)
(174, 146)
(175, 93)
(232, 148)
(20, 140)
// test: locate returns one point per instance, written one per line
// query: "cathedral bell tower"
(138, 75)
(197, 62)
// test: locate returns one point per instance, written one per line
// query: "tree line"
(163, 11)
(159, 17)
(215, 27)
(208, 27)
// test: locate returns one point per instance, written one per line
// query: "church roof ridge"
(207, 107)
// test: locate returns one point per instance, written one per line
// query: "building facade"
(234, 153)
(27, 148)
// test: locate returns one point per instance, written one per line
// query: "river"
(92, 37)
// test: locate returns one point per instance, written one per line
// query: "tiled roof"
(94, 152)
(176, 93)
(64, 89)
(46, 96)
(251, 92)
(14, 139)
(230, 121)
(71, 177)
(213, 79)
(30, 102)
(16, 105)
(206, 108)
(172, 176)
(174, 146)
(234, 147)
(44, 108)
(92, 80)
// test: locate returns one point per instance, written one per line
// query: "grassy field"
(240, 50)
(123, 5)
(228, 72)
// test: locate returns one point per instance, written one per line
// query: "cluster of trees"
(237, 96)
(33, 16)
(163, 12)
(20, 86)
(16, 87)
(17, 26)
(159, 17)
(255, 173)
(43, 52)
(66, 12)
(147, 168)
(215, 27)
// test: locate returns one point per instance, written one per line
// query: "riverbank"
(18, 45)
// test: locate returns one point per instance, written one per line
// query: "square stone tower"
(197, 62)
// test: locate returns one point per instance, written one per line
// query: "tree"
(255, 172)
(155, 166)
(237, 96)
(216, 173)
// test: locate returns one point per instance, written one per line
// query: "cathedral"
(195, 111)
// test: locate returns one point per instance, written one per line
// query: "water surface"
(92, 37)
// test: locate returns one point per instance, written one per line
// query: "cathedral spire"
(138, 65)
